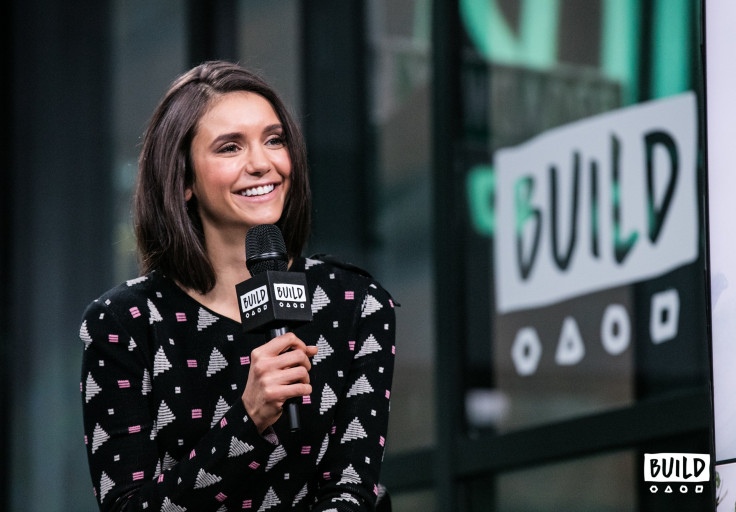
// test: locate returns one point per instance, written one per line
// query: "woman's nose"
(257, 161)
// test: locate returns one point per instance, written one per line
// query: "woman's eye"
(228, 148)
(276, 141)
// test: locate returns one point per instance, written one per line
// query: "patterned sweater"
(166, 429)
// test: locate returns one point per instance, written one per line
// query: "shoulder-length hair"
(169, 234)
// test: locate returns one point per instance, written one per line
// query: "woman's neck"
(227, 258)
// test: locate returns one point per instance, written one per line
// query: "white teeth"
(257, 191)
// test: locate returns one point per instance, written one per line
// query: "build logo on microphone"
(681, 473)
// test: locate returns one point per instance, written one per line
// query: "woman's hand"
(279, 370)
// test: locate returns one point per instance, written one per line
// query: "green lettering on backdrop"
(621, 247)
(658, 214)
(563, 260)
(534, 45)
(480, 189)
(523, 191)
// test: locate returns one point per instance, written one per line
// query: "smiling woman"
(167, 217)
(182, 407)
(242, 169)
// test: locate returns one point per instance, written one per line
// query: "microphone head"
(265, 249)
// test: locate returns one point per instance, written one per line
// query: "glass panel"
(148, 52)
(269, 35)
(417, 500)
(603, 194)
(400, 51)
(604, 482)
(596, 484)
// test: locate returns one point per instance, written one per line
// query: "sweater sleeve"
(121, 425)
(351, 465)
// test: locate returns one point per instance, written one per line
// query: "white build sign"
(582, 213)
(603, 202)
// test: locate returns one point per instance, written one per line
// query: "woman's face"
(242, 166)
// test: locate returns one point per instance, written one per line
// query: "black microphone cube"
(274, 299)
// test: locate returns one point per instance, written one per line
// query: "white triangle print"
(99, 436)
(165, 416)
(300, 496)
(205, 319)
(131, 345)
(271, 500)
(160, 362)
(324, 350)
(158, 470)
(276, 456)
(360, 387)
(310, 263)
(91, 388)
(106, 485)
(154, 315)
(168, 463)
(205, 479)
(222, 509)
(238, 447)
(345, 497)
(220, 409)
(370, 306)
(169, 506)
(329, 399)
(137, 280)
(84, 335)
(354, 431)
(370, 346)
(349, 476)
(319, 299)
(323, 448)
(217, 362)
(146, 382)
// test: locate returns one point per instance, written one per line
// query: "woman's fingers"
(279, 371)
(283, 343)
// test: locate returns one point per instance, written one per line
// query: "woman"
(182, 409)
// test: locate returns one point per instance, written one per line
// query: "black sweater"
(166, 429)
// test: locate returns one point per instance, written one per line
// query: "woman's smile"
(242, 165)
(258, 191)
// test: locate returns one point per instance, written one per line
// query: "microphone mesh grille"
(265, 249)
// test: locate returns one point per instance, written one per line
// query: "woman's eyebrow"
(227, 136)
(237, 135)
(273, 127)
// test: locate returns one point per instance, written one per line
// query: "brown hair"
(168, 231)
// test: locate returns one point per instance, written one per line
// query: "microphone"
(273, 300)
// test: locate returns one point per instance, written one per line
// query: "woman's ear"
(188, 194)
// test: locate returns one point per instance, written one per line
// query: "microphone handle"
(292, 407)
